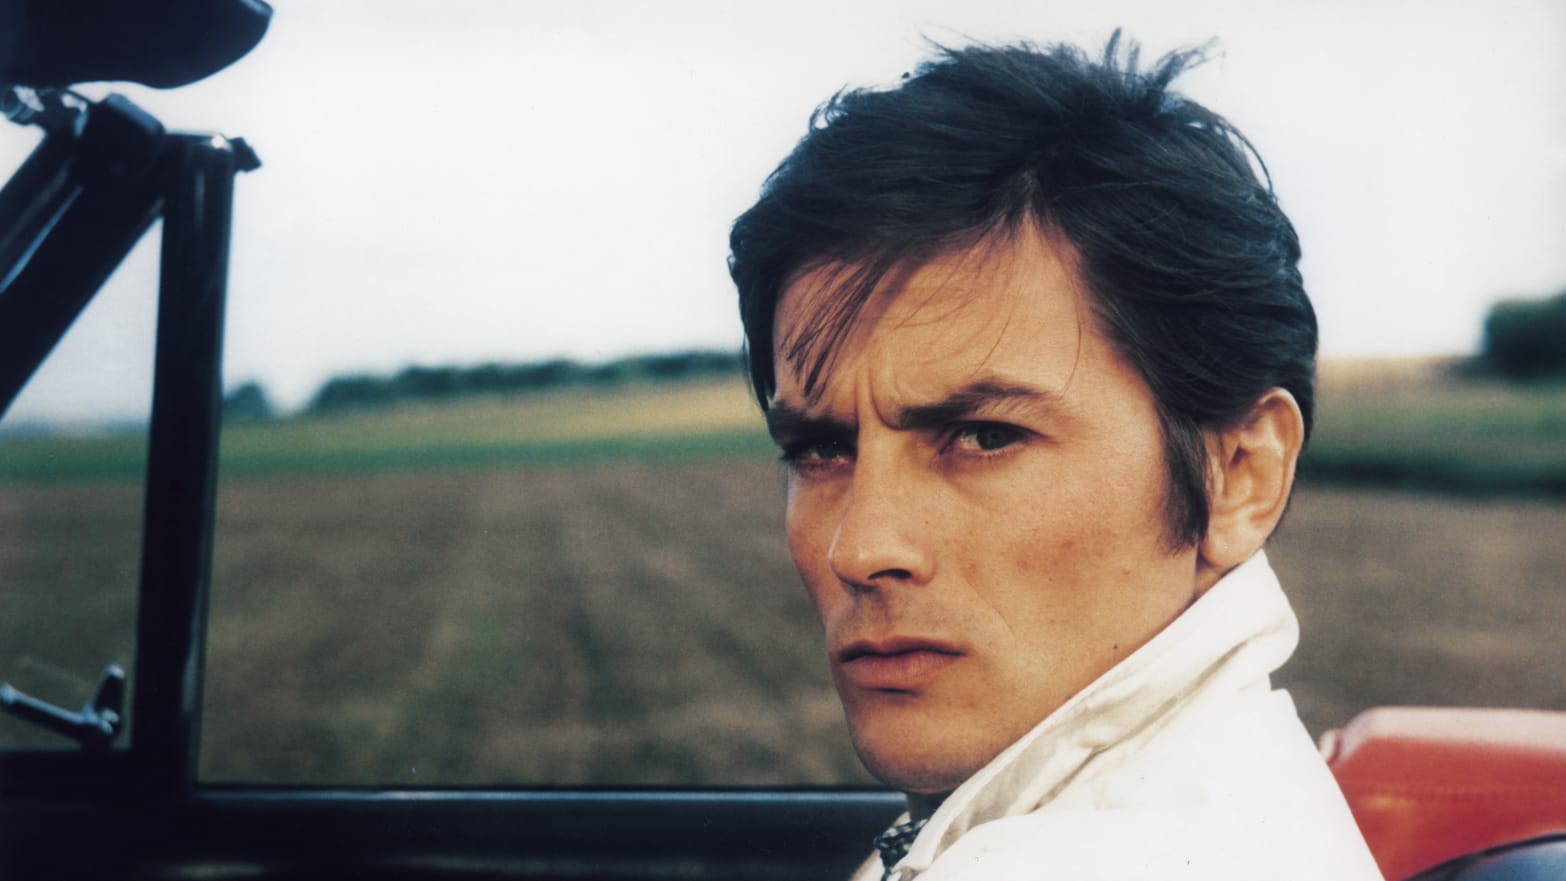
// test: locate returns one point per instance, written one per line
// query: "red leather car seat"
(1431, 784)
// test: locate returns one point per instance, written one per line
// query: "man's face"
(975, 505)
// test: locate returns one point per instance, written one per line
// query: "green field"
(1421, 426)
(1403, 425)
(689, 420)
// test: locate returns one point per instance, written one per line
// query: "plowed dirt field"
(642, 624)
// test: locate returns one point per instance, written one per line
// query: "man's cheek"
(816, 577)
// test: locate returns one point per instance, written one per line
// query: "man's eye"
(985, 437)
(815, 452)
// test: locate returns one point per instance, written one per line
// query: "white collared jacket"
(1181, 762)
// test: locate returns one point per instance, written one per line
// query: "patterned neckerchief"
(894, 843)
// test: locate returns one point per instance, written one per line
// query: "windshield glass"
(73, 449)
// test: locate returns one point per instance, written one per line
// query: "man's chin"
(909, 763)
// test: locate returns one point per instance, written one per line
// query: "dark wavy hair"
(1191, 265)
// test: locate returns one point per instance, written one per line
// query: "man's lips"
(899, 664)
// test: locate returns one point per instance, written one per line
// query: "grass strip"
(124, 459)
(1428, 433)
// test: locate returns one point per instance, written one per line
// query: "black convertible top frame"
(78, 205)
(74, 209)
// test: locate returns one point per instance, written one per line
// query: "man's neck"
(922, 804)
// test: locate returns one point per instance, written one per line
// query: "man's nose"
(884, 534)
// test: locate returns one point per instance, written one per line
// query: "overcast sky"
(470, 180)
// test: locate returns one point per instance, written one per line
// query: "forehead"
(1012, 303)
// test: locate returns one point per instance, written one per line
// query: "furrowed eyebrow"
(786, 422)
(967, 402)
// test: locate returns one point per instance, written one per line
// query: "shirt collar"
(1240, 630)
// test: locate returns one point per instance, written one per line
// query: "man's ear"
(1250, 473)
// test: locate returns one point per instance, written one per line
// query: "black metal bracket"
(94, 727)
(182, 454)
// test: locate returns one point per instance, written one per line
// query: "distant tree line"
(429, 383)
(1523, 339)
(1526, 339)
(246, 403)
